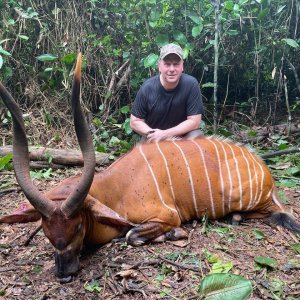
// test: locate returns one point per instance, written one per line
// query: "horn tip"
(78, 66)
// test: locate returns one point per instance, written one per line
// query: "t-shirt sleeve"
(139, 107)
(194, 101)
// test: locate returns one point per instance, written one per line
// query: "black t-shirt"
(164, 109)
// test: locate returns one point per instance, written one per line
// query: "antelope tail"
(286, 220)
(281, 217)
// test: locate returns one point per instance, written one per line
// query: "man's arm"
(139, 126)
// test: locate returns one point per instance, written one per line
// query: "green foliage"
(259, 234)
(185, 257)
(218, 266)
(263, 261)
(296, 247)
(46, 174)
(6, 162)
(256, 37)
(225, 286)
(93, 287)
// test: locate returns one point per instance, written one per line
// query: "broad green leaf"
(186, 52)
(296, 247)
(207, 84)
(222, 267)
(114, 141)
(279, 10)
(10, 22)
(1, 61)
(126, 126)
(224, 287)
(2, 51)
(165, 292)
(7, 72)
(23, 37)
(196, 19)
(125, 109)
(46, 57)
(291, 43)
(282, 146)
(4, 41)
(265, 261)
(290, 183)
(150, 60)
(294, 171)
(258, 234)
(212, 258)
(48, 70)
(101, 148)
(232, 32)
(197, 30)
(69, 59)
(229, 5)
(93, 287)
(161, 40)
(5, 161)
(179, 37)
(263, 13)
(252, 133)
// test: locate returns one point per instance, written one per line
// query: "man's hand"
(156, 135)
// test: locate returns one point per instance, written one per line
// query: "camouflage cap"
(171, 49)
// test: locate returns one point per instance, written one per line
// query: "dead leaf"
(127, 274)
(180, 243)
(281, 166)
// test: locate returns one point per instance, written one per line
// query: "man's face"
(170, 68)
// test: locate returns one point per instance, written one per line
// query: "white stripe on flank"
(262, 177)
(254, 198)
(170, 179)
(154, 179)
(229, 175)
(238, 175)
(250, 178)
(221, 176)
(208, 180)
(190, 178)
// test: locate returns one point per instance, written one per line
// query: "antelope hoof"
(176, 234)
(236, 219)
(133, 238)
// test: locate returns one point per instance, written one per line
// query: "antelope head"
(63, 221)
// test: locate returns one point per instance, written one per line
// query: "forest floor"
(154, 271)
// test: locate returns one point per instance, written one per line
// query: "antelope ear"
(25, 213)
(105, 215)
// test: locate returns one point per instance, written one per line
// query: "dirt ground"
(155, 271)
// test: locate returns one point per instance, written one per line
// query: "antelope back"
(188, 177)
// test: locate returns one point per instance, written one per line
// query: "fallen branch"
(279, 153)
(31, 236)
(10, 190)
(58, 157)
(178, 265)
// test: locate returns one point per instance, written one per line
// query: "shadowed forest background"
(257, 61)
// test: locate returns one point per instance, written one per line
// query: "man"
(169, 104)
